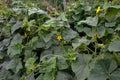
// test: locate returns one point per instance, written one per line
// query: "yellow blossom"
(59, 38)
(25, 35)
(65, 42)
(96, 36)
(101, 45)
(98, 9)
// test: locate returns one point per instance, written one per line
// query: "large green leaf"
(81, 66)
(114, 46)
(112, 11)
(46, 76)
(111, 24)
(91, 32)
(49, 64)
(61, 63)
(45, 54)
(115, 75)
(32, 41)
(78, 42)
(92, 21)
(49, 76)
(103, 70)
(38, 11)
(50, 24)
(15, 65)
(69, 34)
(16, 26)
(5, 42)
(14, 50)
(4, 74)
(57, 50)
(63, 76)
(30, 76)
(47, 36)
(39, 44)
(17, 38)
(30, 65)
(28, 53)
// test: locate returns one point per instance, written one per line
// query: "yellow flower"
(101, 45)
(96, 36)
(59, 38)
(25, 35)
(65, 42)
(98, 9)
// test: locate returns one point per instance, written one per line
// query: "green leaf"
(49, 76)
(63, 17)
(46, 76)
(45, 54)
(14, 77)
(92, 21)
(117, 58)
(38, 11)
(16, 26)
(77, 42)
(2, 54)
(47, 36)
(61, 63)
(28, 53)
(39, 44)
(4, 74)
(115, 75)
(63, 76)
(57, 50)
(17, 38)
(114, 46)
(69, 34)
(5, 42)
(81, 66)
(91, 32)
(112, 11)
(111, 24)
(15, 65)
(30, 64)
(30, 77)
(40, 77)
(103, 70)
(13, 50)
(32, 41)
(50, 64)
(118, 28)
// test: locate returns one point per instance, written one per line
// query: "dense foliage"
(82, 43)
